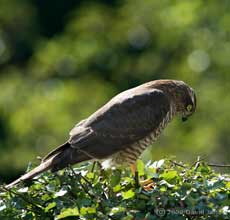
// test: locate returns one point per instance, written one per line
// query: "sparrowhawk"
(120, 130)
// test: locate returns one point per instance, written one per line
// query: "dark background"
(61, 60)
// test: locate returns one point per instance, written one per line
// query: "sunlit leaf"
(140, 167)
(87, 210)
(169, 175)
(67, 197)
(67, 212)
(128, 194)
(50, 206)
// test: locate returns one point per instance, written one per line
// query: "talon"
(147, 184)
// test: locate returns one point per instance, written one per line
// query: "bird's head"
(181, 95)
(185, 99)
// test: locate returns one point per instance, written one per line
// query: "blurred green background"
(61, 60)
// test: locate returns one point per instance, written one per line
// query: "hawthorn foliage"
(180, 191)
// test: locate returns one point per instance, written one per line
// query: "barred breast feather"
(131, 153)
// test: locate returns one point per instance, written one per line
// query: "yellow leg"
(147, 184)
(133, 169)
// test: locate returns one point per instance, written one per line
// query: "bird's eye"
(189, 107)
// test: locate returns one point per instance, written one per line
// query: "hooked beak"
(184, 118)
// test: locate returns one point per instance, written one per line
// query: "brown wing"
(128, 117)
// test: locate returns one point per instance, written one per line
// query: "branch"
(218, 165)
(197, 162)
(27, 200)
(177, 164)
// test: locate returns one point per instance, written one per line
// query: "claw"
(147, 184)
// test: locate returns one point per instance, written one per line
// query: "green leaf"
(116, 195)
(115, 178)
(87, 210)
(45, 197)
(128, 194)
(90, 175)
(67, 213)
(116, 210)
(140, 167)
(50, 206)
(227, 185)
(117, 188)
(163, 189)
(169, 175)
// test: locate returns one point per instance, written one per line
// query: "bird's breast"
(130, 154)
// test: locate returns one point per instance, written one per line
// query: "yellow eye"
(189, 108)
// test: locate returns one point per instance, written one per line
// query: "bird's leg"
(99, 165)
(93, 165)
(147, 184)
(102, 171)
(134, 171)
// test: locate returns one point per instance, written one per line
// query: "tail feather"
(57, 159)
(56, 151)
(37, 170)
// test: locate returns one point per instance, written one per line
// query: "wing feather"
(127, 118)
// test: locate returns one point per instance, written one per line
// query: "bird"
(119, 131)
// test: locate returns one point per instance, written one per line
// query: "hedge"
(179, 191)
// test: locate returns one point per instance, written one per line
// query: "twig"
(218, 165)
(93, 166)
(39, 206)
(197, 164)
(136, 179)
(89, 184)
(209, 164)
(177, 164)
(86, 180)
(95, 163)
(82, 185)
(79, 175)
(199, 159)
